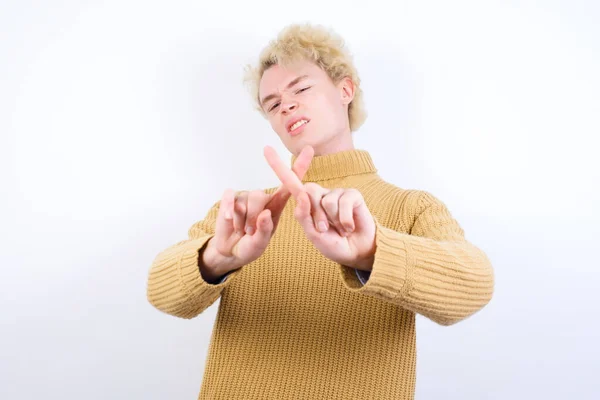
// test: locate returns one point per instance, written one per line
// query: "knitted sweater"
(296, 325)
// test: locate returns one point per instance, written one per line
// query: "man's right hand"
(245, 225)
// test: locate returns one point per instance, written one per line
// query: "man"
(320, 280)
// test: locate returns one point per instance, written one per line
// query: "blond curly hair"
(314, 43)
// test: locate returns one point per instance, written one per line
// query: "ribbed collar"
(338, 165)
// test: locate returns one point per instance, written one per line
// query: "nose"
(288, 106)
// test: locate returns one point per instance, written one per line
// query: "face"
(304, 107)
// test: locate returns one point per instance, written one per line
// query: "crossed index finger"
(287, 177)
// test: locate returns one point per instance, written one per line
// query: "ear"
(347, 88)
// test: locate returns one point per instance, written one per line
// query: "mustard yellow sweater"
(295, 325)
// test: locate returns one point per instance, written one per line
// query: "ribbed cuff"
(190, 275)
(176, 286)
(392, 267)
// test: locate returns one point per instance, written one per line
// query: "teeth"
(297, 124)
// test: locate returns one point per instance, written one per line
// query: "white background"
(121, 122)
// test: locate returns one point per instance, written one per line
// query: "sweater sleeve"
(433, 271)
(175, 284)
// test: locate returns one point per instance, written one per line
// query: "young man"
(320, 280)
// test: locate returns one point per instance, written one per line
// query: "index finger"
(300, 167)
(287, 177)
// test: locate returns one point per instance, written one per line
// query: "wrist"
(209, 260)
(216, 263)
(365, 264)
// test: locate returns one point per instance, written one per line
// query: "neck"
(340, 142)
(338, 165)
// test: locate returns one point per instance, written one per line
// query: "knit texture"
(296, 325)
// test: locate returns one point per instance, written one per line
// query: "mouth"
(297, 126)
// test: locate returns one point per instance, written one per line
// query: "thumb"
(363, 219)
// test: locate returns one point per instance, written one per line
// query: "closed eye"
(299, 91)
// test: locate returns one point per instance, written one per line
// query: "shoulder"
(395, 196)
(398, 207)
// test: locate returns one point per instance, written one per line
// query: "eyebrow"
(292, 83)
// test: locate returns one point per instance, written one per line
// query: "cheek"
(328, 109)
(319, 105)
(329, 101)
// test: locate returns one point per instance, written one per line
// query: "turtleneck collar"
(338, 165)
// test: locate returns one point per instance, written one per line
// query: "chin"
(297, 146)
